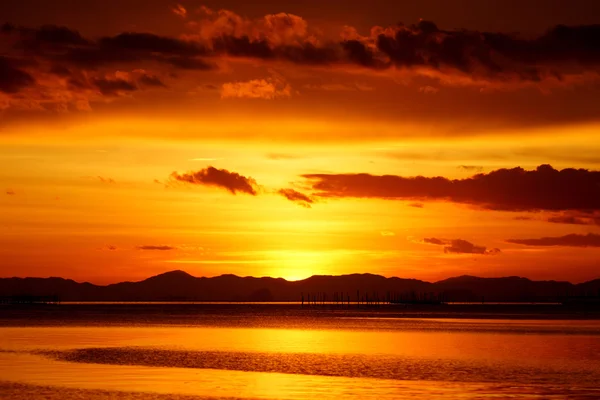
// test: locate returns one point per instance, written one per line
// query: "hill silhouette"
(181, 286)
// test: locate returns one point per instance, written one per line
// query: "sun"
(295, 265)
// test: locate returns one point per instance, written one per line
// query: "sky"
(419, 139)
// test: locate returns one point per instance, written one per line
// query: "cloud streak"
(297, 197)
(460, 246)
(571, 240)
(156, 248)
(222, 178)
(235, 183)
(516, 189)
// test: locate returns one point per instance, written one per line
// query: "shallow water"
(294, 354)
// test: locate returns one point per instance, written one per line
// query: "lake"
(258, 351)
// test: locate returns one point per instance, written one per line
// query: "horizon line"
(298, 280)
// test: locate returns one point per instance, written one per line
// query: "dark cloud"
(563, 55)
(44, 35)
(297, 197)
(114, 87)
(151, 80)
(460, 246)
(572, 240)
(58, 35)
(211, 176)
(190, 63)
(505, 189)
(156, 248)
(568, 219)
(417, 205)
(10, 192)
(95, 57)
(242, 47)
(361, 54)
(60, 70)
(435, 241)
(484, 55)
(61, 44)
(150, 43)
(12, 78)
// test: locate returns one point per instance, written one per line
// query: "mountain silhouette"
(181, 286)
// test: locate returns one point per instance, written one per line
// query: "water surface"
(292, 353)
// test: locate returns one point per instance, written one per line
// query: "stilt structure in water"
(373, 299)
(29, 300)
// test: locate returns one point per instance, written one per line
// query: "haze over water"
(238, 351)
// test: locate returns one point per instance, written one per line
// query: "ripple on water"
(341, 365)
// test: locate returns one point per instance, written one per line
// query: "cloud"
(106, 180)
(416, 205)
(564, 55)
(108, 248)
(12, 78)
(10, 192)
(428, 90)
(340, 87)
(568, 219)
(297, 197)
(180, 11)
(274, 29)
(63, 71)
(435, 241)
(471, 168)
(266, 89)
(156, 248)
(523, 218)
(572, 240)
(460, 246)
(481, 56)
(148, 43)
(150, 80)
(44, 35)
(231, 181)
(516, 189)
(189, 63)
(387, 233)
(114, 87)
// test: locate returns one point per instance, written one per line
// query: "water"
(285, 352)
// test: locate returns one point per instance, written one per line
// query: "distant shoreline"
(281, 315)
(367, 289)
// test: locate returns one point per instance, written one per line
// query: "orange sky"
(284, 139)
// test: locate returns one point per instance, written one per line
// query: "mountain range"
(181, 286)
